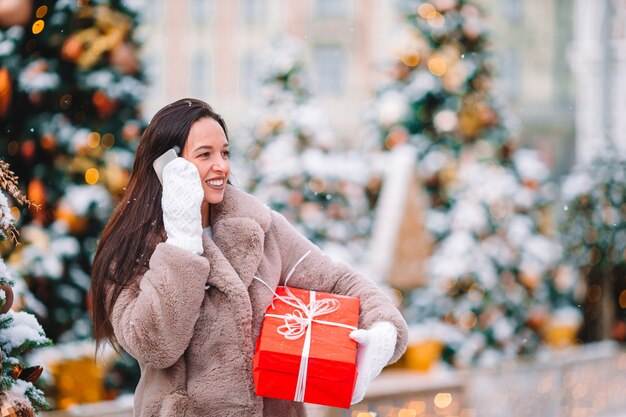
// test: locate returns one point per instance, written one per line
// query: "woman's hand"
(181, 202)
(376, 346)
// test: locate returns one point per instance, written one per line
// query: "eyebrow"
(226, 145)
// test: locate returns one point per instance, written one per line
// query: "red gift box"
(304, 352)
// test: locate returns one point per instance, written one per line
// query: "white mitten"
(181, 201)
(376, 346)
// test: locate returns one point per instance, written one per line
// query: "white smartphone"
(163, 160)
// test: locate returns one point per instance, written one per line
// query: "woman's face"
(208, 149)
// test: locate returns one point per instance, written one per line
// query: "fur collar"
(238, 225)
(237, 203)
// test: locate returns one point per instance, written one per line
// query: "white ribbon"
(299, 323)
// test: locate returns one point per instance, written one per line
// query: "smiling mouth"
(216, 184)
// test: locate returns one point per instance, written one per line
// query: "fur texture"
(195, 347)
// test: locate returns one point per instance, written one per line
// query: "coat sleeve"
(318, 272)
(154, 317)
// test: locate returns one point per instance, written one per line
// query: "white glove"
(181, 202)
(376, 347)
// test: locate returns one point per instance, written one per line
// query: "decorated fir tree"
(19, 331)
(593, 229)
(70, 87)
(295, 165)
(494, 282)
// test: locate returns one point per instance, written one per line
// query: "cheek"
(202, 168)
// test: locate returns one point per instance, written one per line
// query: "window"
(154, 65)
(200, 12)
(330, 68)
(331, 8)
(200, 80)
(253, 11)
(150, 15)
(249, 82)
(510, 72)
(513, 10)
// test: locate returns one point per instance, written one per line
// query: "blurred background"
(467, 155)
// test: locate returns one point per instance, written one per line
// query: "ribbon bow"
(297, 322)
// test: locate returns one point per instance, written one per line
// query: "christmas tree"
(19, 331)
(593, 227)
(70, 87)
(294, 162)
(495, 285)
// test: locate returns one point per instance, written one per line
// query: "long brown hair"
(136, 225)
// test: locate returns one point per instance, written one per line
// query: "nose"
(220, 166)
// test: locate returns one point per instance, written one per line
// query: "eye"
(204, 155)
(226, 154)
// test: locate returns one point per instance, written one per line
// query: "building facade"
(210, 49)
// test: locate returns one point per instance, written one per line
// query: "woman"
(172, 279)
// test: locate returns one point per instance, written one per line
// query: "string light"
(41, 12)
(437, 66)
(91, 176)
(437, 20)
(107, 140)
(410, 59)
(66, 101)
(15, 213)
(93, 140)
(443, 399)
(426, 10)
(38, 27)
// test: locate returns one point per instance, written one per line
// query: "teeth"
(217, 183)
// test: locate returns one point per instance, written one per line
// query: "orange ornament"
(116, 178)
(48, 141)
(28, 149)
(131, 131)
(75, 223)
(6, 91)
(37, 192)
(124, 58)
(104, 104)
(72, 47)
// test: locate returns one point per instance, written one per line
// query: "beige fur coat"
(195, 346)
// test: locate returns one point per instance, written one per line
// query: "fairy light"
(41, 12)
(93, 140)
(426, 10)
(38, 27)
(16, 214)
(443, 399)
(317, 185)
(437, 66)
(47, 141)
(91, 176)
(410, 59)
(407, 412)
(107, 140)
(419, 406)
(436, 20)
(468, 320)
(66, 101)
